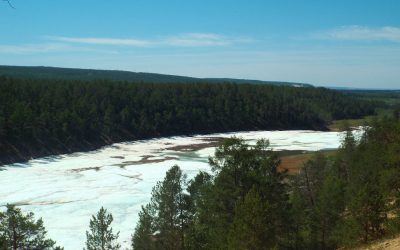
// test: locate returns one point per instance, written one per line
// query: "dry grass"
(388, 244)
(293, 163)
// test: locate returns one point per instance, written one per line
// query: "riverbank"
(20, 151)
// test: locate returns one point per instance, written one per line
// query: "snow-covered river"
(65, 190)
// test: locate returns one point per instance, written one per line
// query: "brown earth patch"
(118, 157)
(136, 176)
(210, 142)
(388, 244)
(293, 163)
(145, 159)
(77, 170)
(214, 139)
(293, 160)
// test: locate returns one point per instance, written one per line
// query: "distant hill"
(30, 72)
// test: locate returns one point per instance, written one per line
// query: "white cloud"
(197, 40)
(25, 49)
(30, 48)
(361, 33)
(184, 40)
(103, 41)
(66, 44)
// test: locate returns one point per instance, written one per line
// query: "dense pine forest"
(42, 117)
(345, 200)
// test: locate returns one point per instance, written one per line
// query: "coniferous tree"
(238, 168)
(325, 216)
(198, 189)
(356, 197)
(253, 226)
(101, 236)
(144, 237)
(19, 231)
(42, 117)
(170, 201)
(166, 226)
(342, 200)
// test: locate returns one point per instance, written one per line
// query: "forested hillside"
(42, 117)
(390, 97)
(55, 73)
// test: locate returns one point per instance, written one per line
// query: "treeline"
(56, 73)
(246, 203)
(42, 117)
(349, 199)
(390, 98)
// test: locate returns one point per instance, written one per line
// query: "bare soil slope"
(389, 244)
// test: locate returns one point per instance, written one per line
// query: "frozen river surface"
(66, 190)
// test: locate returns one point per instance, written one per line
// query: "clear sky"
(351, 43)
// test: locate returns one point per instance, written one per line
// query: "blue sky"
(328, 43)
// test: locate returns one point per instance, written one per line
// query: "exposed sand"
(389, 244)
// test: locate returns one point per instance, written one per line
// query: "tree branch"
(9, 3)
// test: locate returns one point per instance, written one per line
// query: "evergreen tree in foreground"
(163, 221)
(243, 205)
(19, 231)
(101, 236)
(253, 226)
(143, 237)
(341, 200)
(351, 199)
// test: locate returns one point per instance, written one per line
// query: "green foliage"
(317, 203)
(171, 220)
(353, 199)
(42, 117)
(391, 98)
(327, 212)
(240, 168)
(19, 231)
(197, 199)
(101, 236)
(247, 204)
(253, 226)
(144, 235)
(215, 208)
(163, 221)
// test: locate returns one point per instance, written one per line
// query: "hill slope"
(29, 72)
(43, 117)
(389, 244)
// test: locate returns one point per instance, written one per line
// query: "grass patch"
(341, 125)
(293, 161)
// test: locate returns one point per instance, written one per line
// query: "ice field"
(66, 190)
